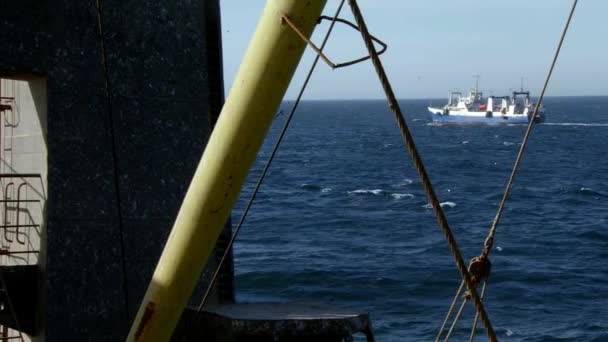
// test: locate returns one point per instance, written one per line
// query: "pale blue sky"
(436, 46)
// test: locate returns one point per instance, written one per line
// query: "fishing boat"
(474, 108)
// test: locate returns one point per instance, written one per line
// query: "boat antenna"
(522, 84)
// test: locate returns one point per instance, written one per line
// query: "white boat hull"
(441, 115)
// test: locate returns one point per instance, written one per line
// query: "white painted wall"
(23, 150)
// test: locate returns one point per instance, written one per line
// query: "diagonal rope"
(488, 243)
(267, 165)
(474, 328)
(490, 239)
(459, 314)
(449, 314)
(113, 143)
(456, 319)
(409, 141)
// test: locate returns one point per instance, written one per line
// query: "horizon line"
(423, 98)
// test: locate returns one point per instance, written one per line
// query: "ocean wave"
(442, 204)
(377, 230)
(366, 192)
(311, 187)
(315, 188)
(380, 192)
(590, 191)
(403, 183)
(592, 235)
(583, 124)
(400, 196)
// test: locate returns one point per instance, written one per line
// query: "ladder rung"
(20, 175)
(20, 226)
(17, 201)
(18, 252)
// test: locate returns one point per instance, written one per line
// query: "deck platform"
(272, 322)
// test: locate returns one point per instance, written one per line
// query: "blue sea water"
(342, 219)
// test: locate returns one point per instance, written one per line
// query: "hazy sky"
(436, 46)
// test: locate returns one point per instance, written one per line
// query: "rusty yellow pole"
(265, 73)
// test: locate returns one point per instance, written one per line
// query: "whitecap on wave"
(404, 182)
(442, 204)
(315, 188)
(366, 191)
(400, 196)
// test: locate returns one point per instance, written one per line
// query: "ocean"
(342, 219)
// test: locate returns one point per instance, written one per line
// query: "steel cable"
(409, 141)
(490, 239)
(113, 148)
(489, 242)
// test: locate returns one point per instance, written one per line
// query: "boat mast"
(259, 86)
(476, 85)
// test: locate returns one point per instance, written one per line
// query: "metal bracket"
(285, 19)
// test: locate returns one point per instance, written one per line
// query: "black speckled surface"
(158, 70)
(23, 36)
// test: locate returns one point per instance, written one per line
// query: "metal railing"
(16, 230)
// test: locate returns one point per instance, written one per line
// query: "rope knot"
(479, 268)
